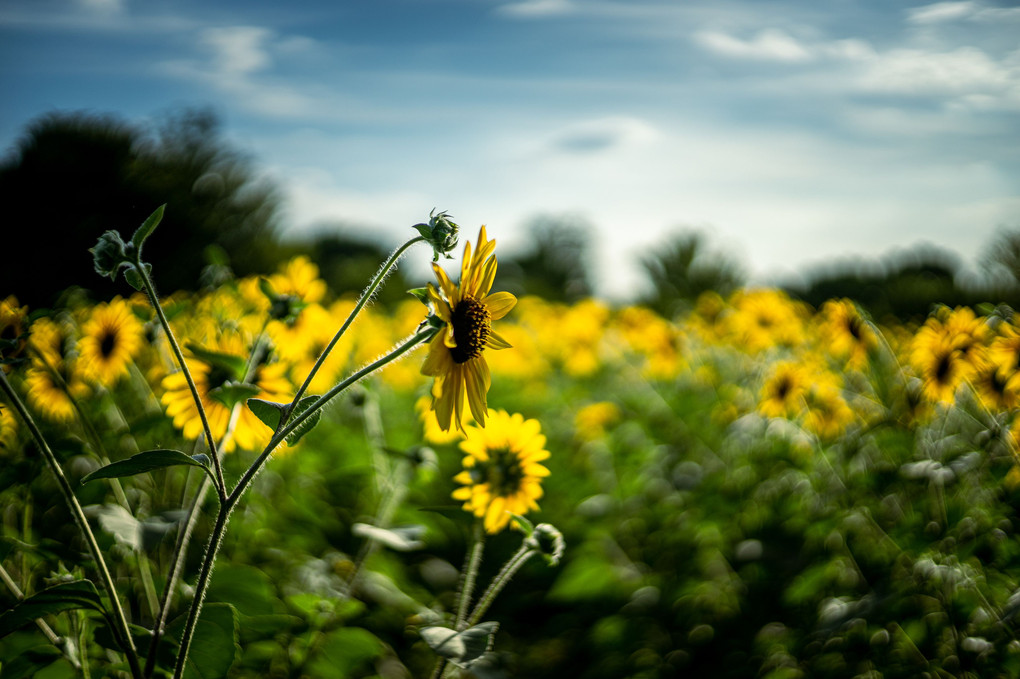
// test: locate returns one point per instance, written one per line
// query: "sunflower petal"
(499, 304)
(496, 341)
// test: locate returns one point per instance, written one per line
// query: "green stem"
(215, 540)
(471, 565)
(362, 301)
(150, 290)
(119, 619)
(508, 571)
(223, 515)
(285, 430)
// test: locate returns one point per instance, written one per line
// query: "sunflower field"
(472, 485)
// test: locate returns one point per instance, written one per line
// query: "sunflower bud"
(440, 232)
(548, 541)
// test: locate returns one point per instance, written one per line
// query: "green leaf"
(460, 648)
(63, 597)
(401, 539)
(421, 294)
(235, 365)
(270, 414)
(267, 289)
(343, 652)
(148, 461)
(118, 522)
(31, 662)
(231, 393)
(134, 279)
(526, 526)
(147, 227)
(214, 645)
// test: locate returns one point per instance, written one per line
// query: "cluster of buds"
(440, 232)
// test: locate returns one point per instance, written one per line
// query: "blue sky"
(792, 132)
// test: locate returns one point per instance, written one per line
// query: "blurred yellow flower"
(591, 421)
(827, 414)
(944, 356)
(46, 392)
(502, 474)
(784, 391)
(765, 318)
(270, 378)
(8, 428)
(846, 333)
(299, 277)
(431, 431)
(110, 339)
(456, 354)
(12, 328)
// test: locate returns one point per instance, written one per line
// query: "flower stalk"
(120, 623)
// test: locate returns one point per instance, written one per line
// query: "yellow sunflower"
(502, 474)
(455, 357)
(48, 396)
(110, 339)
(8, 428)
(783, 393)
(848, 335)
(940, 364)
(12, 328)
(270, 378)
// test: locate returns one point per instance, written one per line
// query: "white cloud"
(537, 8)
(940, 12)
(963, 71)
(238, 49)
(768, 45)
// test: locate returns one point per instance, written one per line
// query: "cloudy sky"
(793, 132)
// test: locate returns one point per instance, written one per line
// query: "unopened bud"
(548, 541)
(441, 233)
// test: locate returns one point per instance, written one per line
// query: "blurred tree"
(75, 175)
(555, 264)
(347, 263)
(1001, 258)
(683, 268)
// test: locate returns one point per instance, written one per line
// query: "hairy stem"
(508, 571)
(150, 290)
(119, 619)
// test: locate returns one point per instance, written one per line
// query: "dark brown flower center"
(502, 472)
(472, 324)
(107, 343)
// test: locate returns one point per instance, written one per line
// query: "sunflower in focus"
(110, 339)
(455, 357)
(502, 474)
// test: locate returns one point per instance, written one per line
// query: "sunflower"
(48, 395)
(784, 392)
(828, 414)
(110, 339)
(12, 329)
(502, 474)
(455, 357)
(848, 334)
(8, 428)
(270, 378)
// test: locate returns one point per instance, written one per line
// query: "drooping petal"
(438, 361)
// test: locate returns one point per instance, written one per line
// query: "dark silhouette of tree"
(1001, 259)
(555, 262)
(75, 175)
(683, 268)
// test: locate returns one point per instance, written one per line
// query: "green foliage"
(56, 599)
(148, 461)
(682, 268)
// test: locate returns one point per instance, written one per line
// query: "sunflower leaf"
(134, 278)
(63, 597)
(147, 227)
(399, 538)
(421, 294)
(231, 393)
(523, 524)
(270, 413)
(148, 461)
(235, 365)
(460, 648)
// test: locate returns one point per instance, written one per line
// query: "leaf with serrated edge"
(148, 461)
